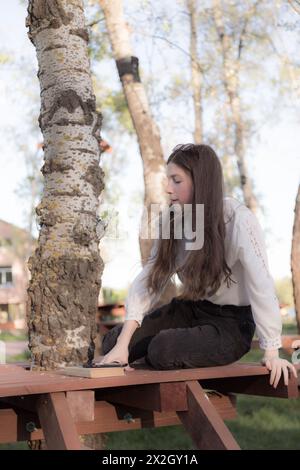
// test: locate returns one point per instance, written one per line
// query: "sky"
(275, 164)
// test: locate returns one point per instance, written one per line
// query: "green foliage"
(4, 58)
(111, 295)
(284, 290)
(98, 48)
(178, 85)
(116, 104)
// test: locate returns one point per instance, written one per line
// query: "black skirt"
(189, 334)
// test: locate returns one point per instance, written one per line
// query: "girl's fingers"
(277, 376)
(280, 367)
(293, 369)
(105, 360)
(268, 364)
(285, 375)
(273, 374)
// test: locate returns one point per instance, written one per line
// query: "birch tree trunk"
(231, 71)
(196, 73)
(66, 267)
(147, 131)
(295, 258)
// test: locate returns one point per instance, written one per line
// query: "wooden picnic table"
(46, 405)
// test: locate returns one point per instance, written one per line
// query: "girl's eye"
(177, 182)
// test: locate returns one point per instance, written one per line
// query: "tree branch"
(155, 36)
(249, 15)
(294, 7)
(90, 25)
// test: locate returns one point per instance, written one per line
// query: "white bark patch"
(74, 338)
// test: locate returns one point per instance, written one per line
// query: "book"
(104, 370)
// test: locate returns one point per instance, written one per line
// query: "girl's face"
(179, 185)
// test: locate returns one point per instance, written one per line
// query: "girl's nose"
(168, 187)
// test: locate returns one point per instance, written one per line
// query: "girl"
(227, 290)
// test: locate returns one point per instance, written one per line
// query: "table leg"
(57, 423)
(203, 422)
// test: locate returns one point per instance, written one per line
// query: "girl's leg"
(200, 346)
(183, 335)
(173, 315)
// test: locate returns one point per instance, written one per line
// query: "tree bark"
(196, 73)
(231, 70)
(295, 259)
(147, 131)
(66, 267)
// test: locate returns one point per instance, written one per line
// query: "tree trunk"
(147, 131)
(231, 70)
(239, 148)
(231, 175)
(196, 73)
(295, 258)
(66, 267)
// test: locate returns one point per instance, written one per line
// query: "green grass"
(14, 446)
(166, 438)
(23, 357)
(267, 423)
(290, 329)
(7, 336)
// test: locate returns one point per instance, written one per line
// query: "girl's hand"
(119, 353)
(296, 344)
(277, 366)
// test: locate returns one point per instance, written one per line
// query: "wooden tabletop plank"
(28, 382)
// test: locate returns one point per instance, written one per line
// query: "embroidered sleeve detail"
(270, 343)
(258, 280)
(256, 243)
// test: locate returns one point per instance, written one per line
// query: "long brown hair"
(203, 270)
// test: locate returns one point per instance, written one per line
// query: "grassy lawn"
(23, 357)
(289, 329)
(14, 446)
(7, 336)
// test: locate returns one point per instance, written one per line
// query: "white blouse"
(245, 253)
